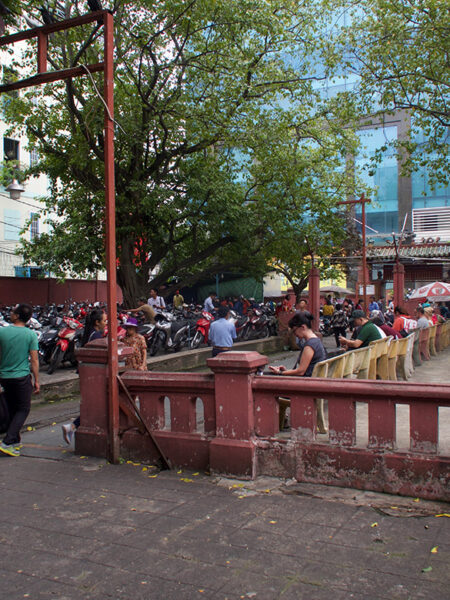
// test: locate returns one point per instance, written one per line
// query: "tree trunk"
(132, 282)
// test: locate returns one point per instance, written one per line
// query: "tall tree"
(400, 51)
(194, 82)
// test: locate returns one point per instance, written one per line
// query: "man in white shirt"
(155, 301)
(209, 302)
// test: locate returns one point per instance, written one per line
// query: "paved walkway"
(77, 528)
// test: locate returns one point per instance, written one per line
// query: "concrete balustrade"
(227, 422)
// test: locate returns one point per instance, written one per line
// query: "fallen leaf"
(152, 476)
(82, 457)
(242, 496)
(195, 474)
(267, 491)
(394, 507)
(186, 480)
(443, 515)
(179, 472)
(237, 485)
(30, 428)
(427, 569)
(53, 423)
(434, 550)
(102, 496)
(144, 468)
(272, 521)
(374, 524)
(416, 500)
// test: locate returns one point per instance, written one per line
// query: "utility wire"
(102, 99)
(27, 203)
(11, 225)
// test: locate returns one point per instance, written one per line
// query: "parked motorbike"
(202, 329)
(240, 322)
(257, 326)
(48, 339)
(69, 339)
(169, 333)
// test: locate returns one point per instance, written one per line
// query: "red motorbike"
(69, 339)
(202, 330)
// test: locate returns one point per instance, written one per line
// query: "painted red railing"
(228, 422)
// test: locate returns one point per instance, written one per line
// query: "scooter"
(202, 330)
(47, 340)
(169, 333)
(257, 326)
(69, 339)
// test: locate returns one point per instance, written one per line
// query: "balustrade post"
(91, 437)
(233, 450)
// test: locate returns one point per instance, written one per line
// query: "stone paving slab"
(74, 527)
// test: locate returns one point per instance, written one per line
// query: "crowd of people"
(352, 327)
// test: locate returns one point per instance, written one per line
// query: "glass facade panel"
(422, 194)
(382, 213)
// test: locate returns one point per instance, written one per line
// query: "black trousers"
(337, 332)
(18, 401)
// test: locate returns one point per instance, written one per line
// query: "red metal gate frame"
(44, 76)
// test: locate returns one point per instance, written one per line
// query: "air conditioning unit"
(431, 224)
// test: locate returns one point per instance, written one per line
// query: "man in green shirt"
(368, 332)
(18, 348)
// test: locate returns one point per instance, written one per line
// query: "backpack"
(408, 324)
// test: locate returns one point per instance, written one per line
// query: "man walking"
(17, 345)
(222, 332)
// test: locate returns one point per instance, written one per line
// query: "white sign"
(370, 290)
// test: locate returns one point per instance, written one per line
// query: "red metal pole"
(42, 52)
(364, 262)
(110, 241)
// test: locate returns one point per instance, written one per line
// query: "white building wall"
(15, 213)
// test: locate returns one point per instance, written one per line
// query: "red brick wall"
(49, 291)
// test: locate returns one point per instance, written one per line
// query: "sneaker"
(9, 449)
(67, 431)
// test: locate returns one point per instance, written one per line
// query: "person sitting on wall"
(402, 321)
(422, 321)
(368, 332)
(222, 332)
(312, 352)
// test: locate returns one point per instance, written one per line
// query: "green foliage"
(12, 169)
(400, 50)
(223, 144)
